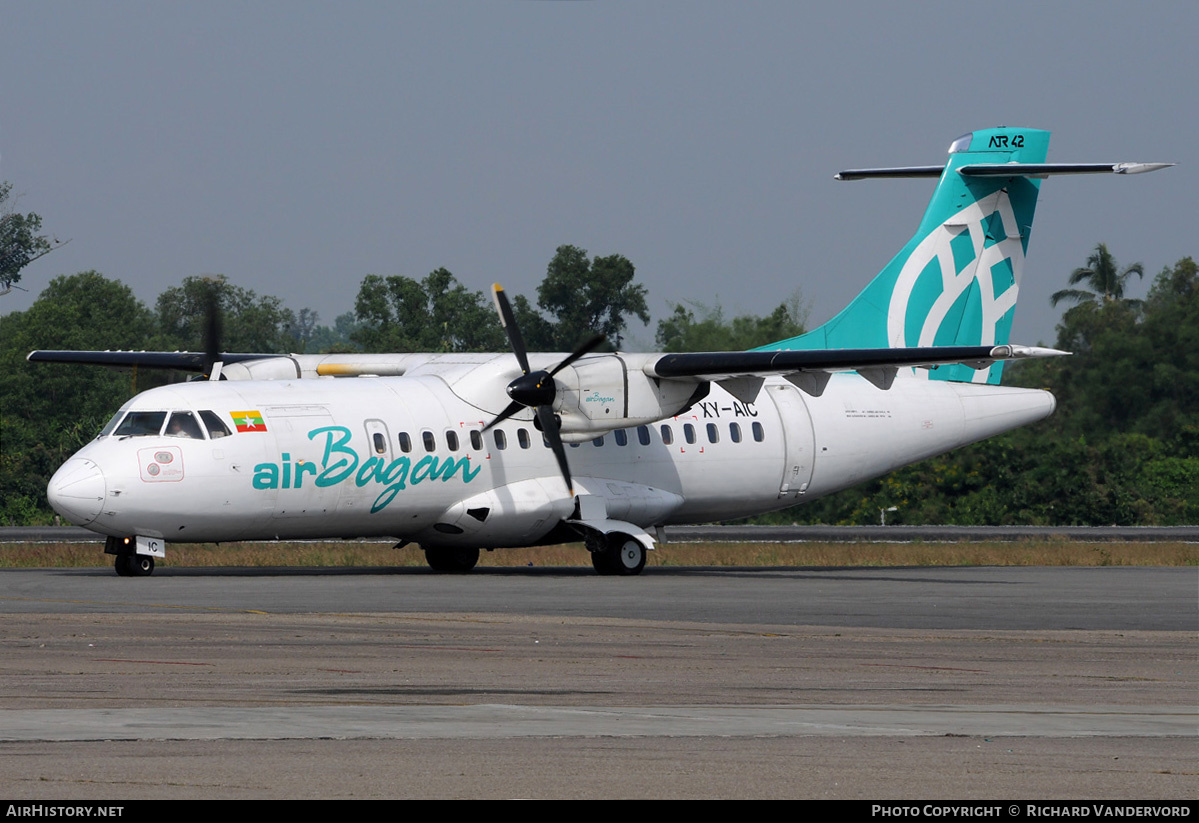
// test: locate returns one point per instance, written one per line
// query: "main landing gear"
(451, 561)
(616, 554)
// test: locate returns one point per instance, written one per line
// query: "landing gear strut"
(617, 554)
(451, 561)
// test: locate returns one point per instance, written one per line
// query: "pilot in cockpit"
(183, 424)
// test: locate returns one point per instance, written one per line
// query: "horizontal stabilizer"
(1047, 169)
(900, 171)
(1037, 170)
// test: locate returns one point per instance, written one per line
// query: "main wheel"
(629, 554)
(602, 562)
(452, 561)
(621, 554)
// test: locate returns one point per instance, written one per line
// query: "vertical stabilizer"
(956, 281)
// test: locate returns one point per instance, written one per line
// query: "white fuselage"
(377, 456)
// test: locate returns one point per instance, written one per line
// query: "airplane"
(463, 452)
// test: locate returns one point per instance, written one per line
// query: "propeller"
(536, 389)
(212, 330)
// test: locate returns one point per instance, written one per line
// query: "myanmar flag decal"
(248, 421)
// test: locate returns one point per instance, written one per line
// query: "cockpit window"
(141, 424)
(111, 424)
(216, 427)
(183, 424)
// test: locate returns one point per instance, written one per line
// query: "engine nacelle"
(269, 368)
(611, 391)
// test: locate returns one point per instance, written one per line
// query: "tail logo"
(961, 280)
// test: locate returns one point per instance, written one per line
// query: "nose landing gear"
(128, 562)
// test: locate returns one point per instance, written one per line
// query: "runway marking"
(161, 662)
(220, 609)
(505, 721)
(929, 668)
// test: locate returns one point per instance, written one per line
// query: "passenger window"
(501, 439)
(522, 437)
(667, 434)
(183, 424)
(476, 440)
(713, 433)
(622, 437)
(430, 441)
(759, 432)
(735, 432)
(380, 442)
(216, 427)
(451, 440)
(643, 435)
(141, 424)
(405, 442)
(689, 433)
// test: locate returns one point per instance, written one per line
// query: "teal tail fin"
(955, 283)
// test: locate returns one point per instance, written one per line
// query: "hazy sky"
(296, 146)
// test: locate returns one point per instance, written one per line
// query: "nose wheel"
(134, 565)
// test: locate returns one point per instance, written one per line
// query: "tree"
(50, 410)
(21, 241)
(681, 332)
(335, 338)
(1104, 276)
(249, 323)
(587, 296)
(437, 314)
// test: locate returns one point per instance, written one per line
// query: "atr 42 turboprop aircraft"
(458, 452)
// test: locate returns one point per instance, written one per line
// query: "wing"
(178, 360)
(876, 365)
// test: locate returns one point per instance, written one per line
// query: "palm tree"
(1103, 275)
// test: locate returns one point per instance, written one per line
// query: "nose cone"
(76, 491)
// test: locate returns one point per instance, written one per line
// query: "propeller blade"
(587, 347)
(512, 409)
(212, 326)
(508, 321)
(549, 427)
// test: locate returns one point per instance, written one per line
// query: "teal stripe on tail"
(955, 283)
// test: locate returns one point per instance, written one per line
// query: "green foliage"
(336, 338)
(49, 410)
(1123, 447)
(21, 240)
(585, 296)
(1103, 275)
(681, 332)
(249, 323)
(437, 314)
